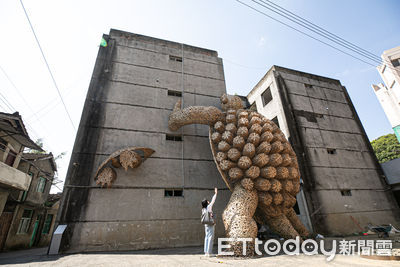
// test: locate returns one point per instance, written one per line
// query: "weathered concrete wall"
(45, 238)
(128, 105)
(33, 196)
(13, 178)
(3, 199)
(20, 240)
(321, 117)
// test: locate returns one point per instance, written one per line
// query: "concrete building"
(391, 169)
(20, 201)
(343, 185)
(14, 138)
(388, 94)
(136, 82)
(33, 218)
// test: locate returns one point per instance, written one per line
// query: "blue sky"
(249, 43)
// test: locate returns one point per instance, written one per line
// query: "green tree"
(386, 147)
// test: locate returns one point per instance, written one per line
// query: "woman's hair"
(204, 203)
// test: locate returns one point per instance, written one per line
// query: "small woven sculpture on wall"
(257, 164)
(130, 157)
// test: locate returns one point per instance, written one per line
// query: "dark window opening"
(173, 193)
(331, 151)
(345, 192)
(296, 208)
(308, 85)
(3, 144)
(175, 58)
(10, 158)
(266, 96)
(275, 120)
(396, 62)
(171, 137)
(174, 93)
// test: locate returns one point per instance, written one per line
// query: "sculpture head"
(231, 102)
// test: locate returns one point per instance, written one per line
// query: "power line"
(312, 29)
(47, 65)
(312, 37)
(321, 32)
(21, 96)
(320, 29)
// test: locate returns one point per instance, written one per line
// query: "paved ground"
(175, 257)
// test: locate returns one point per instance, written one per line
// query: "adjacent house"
(25, 181)
(388, 94)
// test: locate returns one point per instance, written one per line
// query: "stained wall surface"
(135, 84)
(343, 183)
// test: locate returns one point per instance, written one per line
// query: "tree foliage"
(386, 147)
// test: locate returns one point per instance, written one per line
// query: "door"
(5, 222)
(10, 158)
(35, 231)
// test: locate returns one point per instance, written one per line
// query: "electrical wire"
(309, 23)
(47, 65)
(312, 37)
(22, 97)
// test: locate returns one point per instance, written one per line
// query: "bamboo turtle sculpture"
(257, 164)
(127, 157)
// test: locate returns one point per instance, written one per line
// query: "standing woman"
(207, 218)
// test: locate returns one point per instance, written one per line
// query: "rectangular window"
(275, 120)
(3, 144)
(331, 151)
(41, 185)
(266, 96)
(175, 58)
(396, 62)
(173, 193)
(346, 192)
(25, 221)
(47, 224)
(10, 158)
(23, 197)
(308, 85)
(174, 93)
(171, 137)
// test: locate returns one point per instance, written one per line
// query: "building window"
(3, 144)
(47, 224)
(171, 137)
(173, 193)
(10, 158)
(266, 96)
(308, 85)
(275, 120)
(346, 192)
(175, 58)
(331, 151)
(41, 185)
(174, 93)
(25, 221)
(396, 62)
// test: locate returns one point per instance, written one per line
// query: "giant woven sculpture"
(257, 164)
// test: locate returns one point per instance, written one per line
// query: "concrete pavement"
(188, 256)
